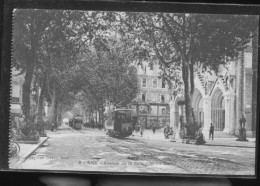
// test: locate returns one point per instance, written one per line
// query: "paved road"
(92, 150)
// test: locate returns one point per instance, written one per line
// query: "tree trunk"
(27, 91)
(241, 84)
(103, 110)
(188, 92)
(52, 109)
(55, 115)
(29, 72)
(254, 79)
(96, 116)
(40, 104)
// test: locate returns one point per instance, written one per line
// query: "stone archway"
(176, 111)
(218, 110)
(197, 104)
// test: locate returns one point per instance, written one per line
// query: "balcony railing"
(15, 100)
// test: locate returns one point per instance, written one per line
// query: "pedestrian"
(211, 131)
(141, 130)
(154, 128)
(243, 121)
(52, 127)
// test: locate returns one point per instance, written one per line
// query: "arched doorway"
(218, 110)
(197, 104)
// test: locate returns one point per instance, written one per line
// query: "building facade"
(16, 92)
(152, 103)
(222, 99)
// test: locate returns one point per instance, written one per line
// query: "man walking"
(141, 130)
(242, 122)
(211, 131)
(154, 128)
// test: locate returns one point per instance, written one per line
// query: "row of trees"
(66, 52)
(96, 52)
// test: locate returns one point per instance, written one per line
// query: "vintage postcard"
(133, 92)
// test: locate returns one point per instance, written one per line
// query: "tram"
(119, 123)
(76, 122)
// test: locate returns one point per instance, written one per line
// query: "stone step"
(220, 134)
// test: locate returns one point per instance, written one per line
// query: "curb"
(28, 155)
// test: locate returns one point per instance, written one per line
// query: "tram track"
(145, 155)
(153, 153)
(185, 162)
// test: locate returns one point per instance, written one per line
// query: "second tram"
(119, 122)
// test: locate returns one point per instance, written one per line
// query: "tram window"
(128, 118)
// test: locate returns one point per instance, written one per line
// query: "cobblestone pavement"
(92, 150)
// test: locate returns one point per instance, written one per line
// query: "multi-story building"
(152, 103)
(16, 92)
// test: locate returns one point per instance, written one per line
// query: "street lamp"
(35, 94)
(33, 91)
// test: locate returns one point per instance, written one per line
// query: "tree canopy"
(96, 52)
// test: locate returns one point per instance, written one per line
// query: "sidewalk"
(26, 150)
(227, 141)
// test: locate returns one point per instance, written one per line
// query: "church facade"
(221, 99)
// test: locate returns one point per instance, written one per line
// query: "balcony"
(15, 100)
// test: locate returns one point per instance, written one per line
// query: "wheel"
(17, 148)
(14, 149)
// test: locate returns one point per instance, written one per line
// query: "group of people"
(169, 131)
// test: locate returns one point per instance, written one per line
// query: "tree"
(28, 28)
(255, 74)
(104, 75)
(44, 45)
(188, 42)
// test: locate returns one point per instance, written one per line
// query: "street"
(92, 150)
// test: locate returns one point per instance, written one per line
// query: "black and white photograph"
(133, 92)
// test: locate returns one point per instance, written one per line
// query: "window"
(163, 84)
(143, 97)
(153, 97)
(163, 111)
(149, 82)
(143, 109)
(154, 83)
(162, 98)
(153, 110)
(158, 98)
(144, 82)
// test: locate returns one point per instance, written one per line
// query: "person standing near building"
(211, 131)
(154, 128)
(52, 126)
(243, 122)
(141, 130)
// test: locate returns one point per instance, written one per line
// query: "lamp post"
(38, 120)
(33, 93)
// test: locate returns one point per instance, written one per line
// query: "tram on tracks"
(76, 122)
(119, 122)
